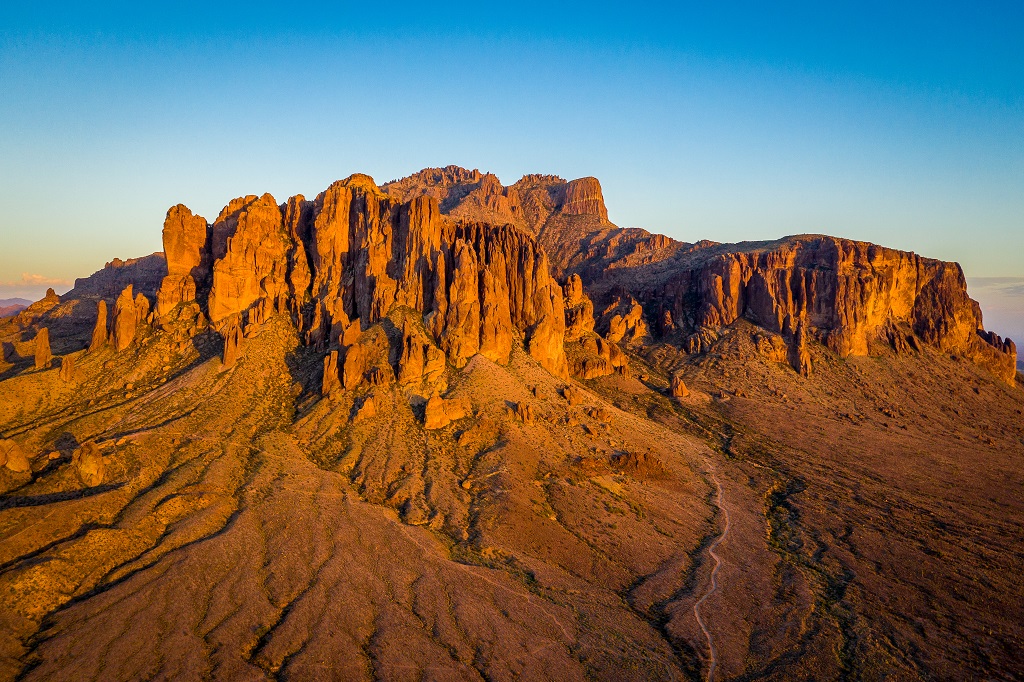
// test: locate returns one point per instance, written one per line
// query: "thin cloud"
(32, 280)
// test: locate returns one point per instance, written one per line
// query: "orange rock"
(298, 222)
(99, 331)
(579, 310)
(625, 320)
(366, 410)
(799, 357)
(495, 315)
(461, 336)
(331, 379)
(525, 412)
(13, 457)
(43, 356)
(573, 396)
(440, 412)
(252, 247)
(354, 367)
(679, 389)
(67, 368)
(186, 239)
(418, 358)
(126, 320)
(232, 334)
(88, 461)
(584, 197)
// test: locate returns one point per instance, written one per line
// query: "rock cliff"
(845, 294)
(187, 251)
(478, 262)
(349, 258)
(841, 293)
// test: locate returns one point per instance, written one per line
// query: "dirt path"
(712, 660)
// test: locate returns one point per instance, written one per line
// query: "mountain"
(12, 306)
(442, 428)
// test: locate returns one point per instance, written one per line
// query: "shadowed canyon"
(447, 429)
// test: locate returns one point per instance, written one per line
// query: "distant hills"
(13, 306)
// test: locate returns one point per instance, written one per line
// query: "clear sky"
(900, 123)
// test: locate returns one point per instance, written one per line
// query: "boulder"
(440, 412)
(88, 462)
(13, 457)
(573, 396)
(524, 411)
(678, 388)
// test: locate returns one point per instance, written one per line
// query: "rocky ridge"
(844, 294)
(470, 256)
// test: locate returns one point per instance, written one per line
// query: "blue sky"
(902, 125)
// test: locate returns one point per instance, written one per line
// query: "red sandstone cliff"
(470, 256)
(355, 254)
(842, 293)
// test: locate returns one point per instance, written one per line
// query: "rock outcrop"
(560, 214)
(43, 356)
(187, 250)
(579, 310)
(623, 320)
(525, 412)
(799, 357)
(129, 313)
(232, 333)
(439, 412)
(67, 368)
(330, 381)
(849, 294)
(365, 411)
(354, 369)
(144, 274)
(99, 330)
(678, 387)
(419, 359)
(584, 197)
(251, 249)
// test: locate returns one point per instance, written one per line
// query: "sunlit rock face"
(356, 253)
(845, 294)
